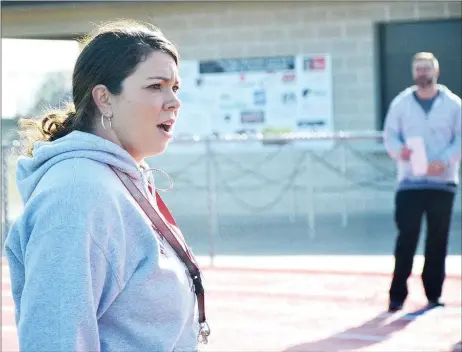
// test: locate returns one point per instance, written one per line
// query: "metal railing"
(236, 188)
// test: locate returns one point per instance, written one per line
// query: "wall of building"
(208, 30)
(245, 29)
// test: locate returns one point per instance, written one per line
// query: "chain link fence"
(233, 196)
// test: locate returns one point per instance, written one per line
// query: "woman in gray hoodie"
(91, 266)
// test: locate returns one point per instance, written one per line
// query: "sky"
(24, 65)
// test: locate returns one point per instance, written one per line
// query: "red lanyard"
(163, 227)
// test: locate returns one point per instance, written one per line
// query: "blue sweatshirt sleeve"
(452, 154)
(392, 138)
(66, 273)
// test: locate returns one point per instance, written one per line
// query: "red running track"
(255, 310)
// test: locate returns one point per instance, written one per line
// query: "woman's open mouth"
(166, 127)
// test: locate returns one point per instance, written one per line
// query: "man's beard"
(423, 82)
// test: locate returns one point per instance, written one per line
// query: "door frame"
(380, 62)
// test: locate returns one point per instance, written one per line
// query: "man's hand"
(436, 168)
(405, 153)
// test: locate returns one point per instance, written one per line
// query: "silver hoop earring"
(102, 122)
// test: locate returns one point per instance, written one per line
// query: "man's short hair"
(423, 55)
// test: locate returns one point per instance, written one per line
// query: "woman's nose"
(173, 104)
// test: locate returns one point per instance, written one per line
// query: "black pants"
(410, 206)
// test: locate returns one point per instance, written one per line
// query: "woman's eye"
(176, 88)
(156, 86)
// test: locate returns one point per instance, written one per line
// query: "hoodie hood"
(45, 155)
(441, 87)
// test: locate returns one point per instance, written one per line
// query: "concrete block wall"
(346, 30)
(208, 30)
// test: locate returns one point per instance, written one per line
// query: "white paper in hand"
(419, 161)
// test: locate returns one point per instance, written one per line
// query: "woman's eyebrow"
(165, 79)
(160, 77)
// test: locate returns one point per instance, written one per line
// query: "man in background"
(429, 111)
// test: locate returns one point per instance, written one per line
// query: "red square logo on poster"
(317, 63)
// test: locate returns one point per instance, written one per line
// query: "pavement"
(329, 304)
(261, 235)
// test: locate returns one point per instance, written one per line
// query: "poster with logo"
(315, 105)
(196, 111)
(270, 95)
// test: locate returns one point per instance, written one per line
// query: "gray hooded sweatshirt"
(88, 272)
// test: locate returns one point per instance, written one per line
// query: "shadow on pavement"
(365, 335)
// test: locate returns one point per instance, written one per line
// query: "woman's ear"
(101, 97)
